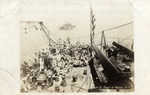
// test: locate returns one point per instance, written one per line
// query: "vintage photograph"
(76, 46)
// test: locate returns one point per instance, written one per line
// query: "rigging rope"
(52, 32)
(115, 27)
(86, 35)
(84, 82)
(125, 38)
(107, 30)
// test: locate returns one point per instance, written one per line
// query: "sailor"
(41, 62)
(63, 84)
(74, 80)
(115, 52)
(109, 52)
(49, 84)
(57, 82)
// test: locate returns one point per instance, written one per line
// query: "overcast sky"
(55, 13)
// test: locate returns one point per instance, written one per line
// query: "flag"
(92, 24)
(93, 20)
(93, 28)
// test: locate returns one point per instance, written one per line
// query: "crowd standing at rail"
(52, 67)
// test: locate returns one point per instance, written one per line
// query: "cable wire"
(125, 38)
(107, 30)
(115, 27)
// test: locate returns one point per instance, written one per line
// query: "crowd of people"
(52, 67)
